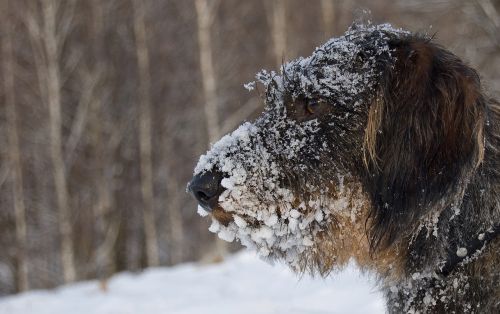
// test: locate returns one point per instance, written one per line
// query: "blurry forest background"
(105, 106)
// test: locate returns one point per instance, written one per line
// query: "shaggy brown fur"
(432, 150)
(423, 152)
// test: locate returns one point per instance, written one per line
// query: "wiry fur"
(409, 166)
(433, 177)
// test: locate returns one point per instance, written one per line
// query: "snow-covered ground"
(242, 284)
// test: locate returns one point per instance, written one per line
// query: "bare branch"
(38, 50)
(66, 23)
(90, 81)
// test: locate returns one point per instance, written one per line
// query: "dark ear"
(423, 137)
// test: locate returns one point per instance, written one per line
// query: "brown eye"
(312, 106)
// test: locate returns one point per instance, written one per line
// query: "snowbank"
(242, 284)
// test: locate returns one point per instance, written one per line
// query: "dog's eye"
(361, 59)
(312, 106)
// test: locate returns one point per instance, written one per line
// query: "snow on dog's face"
(286, 176)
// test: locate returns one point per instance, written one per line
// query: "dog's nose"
(206, 188)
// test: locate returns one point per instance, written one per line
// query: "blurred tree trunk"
(205, 11)
(276, 14)
(145, 140)
(328, 15)
(106, 224)
(52, 44)
(175, 240)
(176, 228)
(14, 149)
(205, 14)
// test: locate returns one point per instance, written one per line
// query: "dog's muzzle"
(206, 188)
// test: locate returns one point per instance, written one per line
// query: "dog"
(381, 147)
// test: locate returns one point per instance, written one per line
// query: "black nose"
(206, 188)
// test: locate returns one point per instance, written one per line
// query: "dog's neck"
(480, 208)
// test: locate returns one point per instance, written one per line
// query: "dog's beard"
(283, 230)
(277, 221)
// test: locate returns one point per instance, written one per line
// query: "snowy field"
(242, 284)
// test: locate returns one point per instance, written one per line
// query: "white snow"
(202, 212)
(242, 284)
(461, 252)
(250, 86)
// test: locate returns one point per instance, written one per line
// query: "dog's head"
(370, 130)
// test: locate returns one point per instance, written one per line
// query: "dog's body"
(381, 147)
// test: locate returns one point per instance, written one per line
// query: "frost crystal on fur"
(268, 215)
(342, 68)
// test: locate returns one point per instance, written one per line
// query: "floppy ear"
(423, 137)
